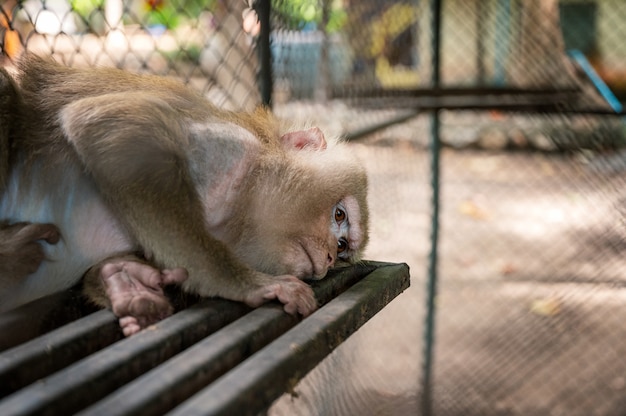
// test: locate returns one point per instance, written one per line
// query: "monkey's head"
(311, 214)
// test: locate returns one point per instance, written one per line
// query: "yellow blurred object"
(546, 307)
(392, 22)
(11, 43)
(395, 20)
(394, 76)
(471, 209)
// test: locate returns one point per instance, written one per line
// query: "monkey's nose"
(330, 261)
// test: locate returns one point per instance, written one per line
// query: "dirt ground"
(531, 300)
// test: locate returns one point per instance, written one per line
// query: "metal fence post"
(263, 9)
(431, 288)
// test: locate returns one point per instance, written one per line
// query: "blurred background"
(494, 139)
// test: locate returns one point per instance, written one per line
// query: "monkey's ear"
(311, 139)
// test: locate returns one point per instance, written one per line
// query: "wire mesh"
(531, 262)
(531, 288)
(201, 42)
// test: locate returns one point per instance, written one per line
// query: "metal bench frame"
(216, 357)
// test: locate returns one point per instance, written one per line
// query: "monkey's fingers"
(129, 325)
(135, 294)
(153, 279)
(139, 310)
(297, 296)
(173, 276)
(304, 306)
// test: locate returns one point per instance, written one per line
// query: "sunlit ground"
(531, 299)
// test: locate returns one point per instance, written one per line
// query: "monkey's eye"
(342, 245)
(340, 215)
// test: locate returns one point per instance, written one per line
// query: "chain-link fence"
(201, 42)
(531, 291)
(530, 294)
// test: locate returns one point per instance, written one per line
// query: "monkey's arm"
(135, 148)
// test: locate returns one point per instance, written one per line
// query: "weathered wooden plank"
(104, 380)
(176, 380)
(257, 382)
(92, 378)
(42, 356)
(165, 386)
(41, 316)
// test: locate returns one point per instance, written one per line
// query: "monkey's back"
(46, 87)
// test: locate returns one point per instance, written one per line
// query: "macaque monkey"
(149, 185)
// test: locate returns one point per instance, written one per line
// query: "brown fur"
(133, 135)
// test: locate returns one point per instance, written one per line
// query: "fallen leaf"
(546, 307)
(471, 209)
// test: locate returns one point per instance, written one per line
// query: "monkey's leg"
(21, 252)
(133, 290)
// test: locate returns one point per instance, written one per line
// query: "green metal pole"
(431, 287)
(503, 37)
(263, 9)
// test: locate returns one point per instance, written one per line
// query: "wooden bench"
(214, 357)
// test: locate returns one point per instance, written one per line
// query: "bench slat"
(92, 378)
(176, 380)
(160, 368)
(42, 356)
(265, 376)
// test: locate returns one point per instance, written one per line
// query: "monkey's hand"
(134, 292)
(21, 251)
(296, 295)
